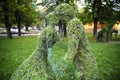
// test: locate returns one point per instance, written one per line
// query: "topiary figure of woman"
(78, 52)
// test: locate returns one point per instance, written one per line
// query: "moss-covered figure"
(64, 12)
(78, 52)
(102, 35)
(52, 19)
(77, 64)
(37, 66)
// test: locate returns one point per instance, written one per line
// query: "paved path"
(115, 42)
(21, 34)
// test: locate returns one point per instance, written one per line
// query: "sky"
(39, 1)
(80, 3)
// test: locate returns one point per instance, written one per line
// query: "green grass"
(107, 56)
(14, 52)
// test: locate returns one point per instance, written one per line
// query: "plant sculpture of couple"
(76, 64)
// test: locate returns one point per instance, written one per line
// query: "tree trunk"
(18, 18)
(96, 7)
(19, 27)
(6, 18)
(65, 30)
(26, 27)
(60, 30)
(8, 28)
(107, 36)
(95, 27)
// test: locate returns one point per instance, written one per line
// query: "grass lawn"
(14, 52)
(107, 56)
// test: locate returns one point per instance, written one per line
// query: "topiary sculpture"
(77, 64)
(78, 52)
(64, 12)
(52, 19)
(37, 67)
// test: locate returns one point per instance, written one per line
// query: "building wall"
(89, 27)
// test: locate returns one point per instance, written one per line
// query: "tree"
(1, 12)
(30, 16)
(85, 15)
(7, 8)
(96, 7)
(111, 18)
(21, 10)
(25, 13)
(18, 17)
(100, 10)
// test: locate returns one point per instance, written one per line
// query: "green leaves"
(79, 53)
(52, 18)
(64, 11)
(85, 16)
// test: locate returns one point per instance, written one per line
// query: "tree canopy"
(17, 12)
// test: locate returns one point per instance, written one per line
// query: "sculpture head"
(47, 37)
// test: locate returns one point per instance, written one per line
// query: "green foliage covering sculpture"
(78, 52)
(102, 35)
(105, 34)
(36, 67)
(64, 12)
(76, 64)
(52, 19)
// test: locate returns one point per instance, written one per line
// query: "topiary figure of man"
(37, 66)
